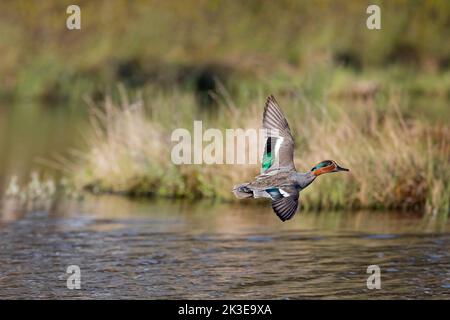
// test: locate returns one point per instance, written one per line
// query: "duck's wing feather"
(279, 145)
(287, 206)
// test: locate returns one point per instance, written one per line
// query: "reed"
(395, 162)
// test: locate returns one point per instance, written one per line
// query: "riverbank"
(398, 158)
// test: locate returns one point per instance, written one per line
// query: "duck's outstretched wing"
(279, 145)
(285, 207)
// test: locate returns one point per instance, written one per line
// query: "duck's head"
(327, 166)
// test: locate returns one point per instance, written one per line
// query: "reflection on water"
(30, 132)
(165, 249)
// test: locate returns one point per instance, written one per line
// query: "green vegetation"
(171, 42)
(395, 162)
(375, 101)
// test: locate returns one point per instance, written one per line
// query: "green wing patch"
(267, 161)
(269, 153)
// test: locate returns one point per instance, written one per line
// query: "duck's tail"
(242, 191)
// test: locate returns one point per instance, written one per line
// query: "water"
(152, 249)
(143, 249)
(32, 135)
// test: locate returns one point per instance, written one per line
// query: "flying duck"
(279, 180)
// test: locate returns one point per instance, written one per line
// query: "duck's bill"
(339, 168)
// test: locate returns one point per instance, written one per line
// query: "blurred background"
(86, 177)
(62, 92)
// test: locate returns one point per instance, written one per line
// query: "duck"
(279, 180)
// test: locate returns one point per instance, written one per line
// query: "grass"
(39, 193)
(138, 42)
(351, 94)
(396, 162)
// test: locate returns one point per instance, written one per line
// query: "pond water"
(143, 249)
(154, 249)
(32, 135)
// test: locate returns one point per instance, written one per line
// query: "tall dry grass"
(395, 162)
